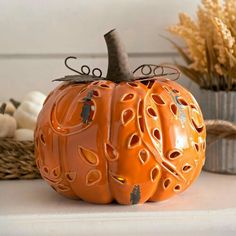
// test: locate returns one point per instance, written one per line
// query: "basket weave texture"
(17, 160)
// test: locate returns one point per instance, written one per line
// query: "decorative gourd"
(7, 123)
(24, 135)
(10, 108)
(124, 138)
(27, 112)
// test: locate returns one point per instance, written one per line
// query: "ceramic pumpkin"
(124, 138)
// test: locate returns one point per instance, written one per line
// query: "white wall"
(36, 36)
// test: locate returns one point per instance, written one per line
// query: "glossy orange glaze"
(142, 141)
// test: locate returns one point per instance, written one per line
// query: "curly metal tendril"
(151, 70)
(85, 70)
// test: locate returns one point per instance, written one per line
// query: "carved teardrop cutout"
(193, 106)
(157, 99)
(111, 153)
(119, 179)
(93, 177)
(196, 146)
(70, 176)
(157, 134)
(56, 172)
(63, 188)
(199, 128)
(104, 86)
(186, 168)
(88, 156)
(127, 116)
(182, 101)
(151, 112)
(148, 83)
(177, 188)
(143, 156)
(174, 154)
(166, 183)
(45, 170)
(96, 93)
(154, 174)
(127, 97)
(174, 109)
(170, 169)
(134, 141)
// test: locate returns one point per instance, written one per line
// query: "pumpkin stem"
(15, 103)
(118, 66)
(3, 108)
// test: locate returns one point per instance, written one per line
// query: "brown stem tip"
(118, 66)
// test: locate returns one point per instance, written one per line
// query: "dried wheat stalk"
(210, 45)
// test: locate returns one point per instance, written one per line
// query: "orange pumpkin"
(121, 138)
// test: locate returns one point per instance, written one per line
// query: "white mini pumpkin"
(27, 113)
(7, 123)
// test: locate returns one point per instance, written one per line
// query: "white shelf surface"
(31, 207)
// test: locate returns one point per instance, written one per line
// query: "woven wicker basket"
(17, 160)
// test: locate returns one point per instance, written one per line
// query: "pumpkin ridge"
(150, 133)
(160, 157)
(186, 178)
(165, 160)
(109, 138)
(150, 146)
(62, 160)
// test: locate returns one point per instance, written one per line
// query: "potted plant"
(210, 57)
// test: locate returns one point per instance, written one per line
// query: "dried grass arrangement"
(210, 48)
